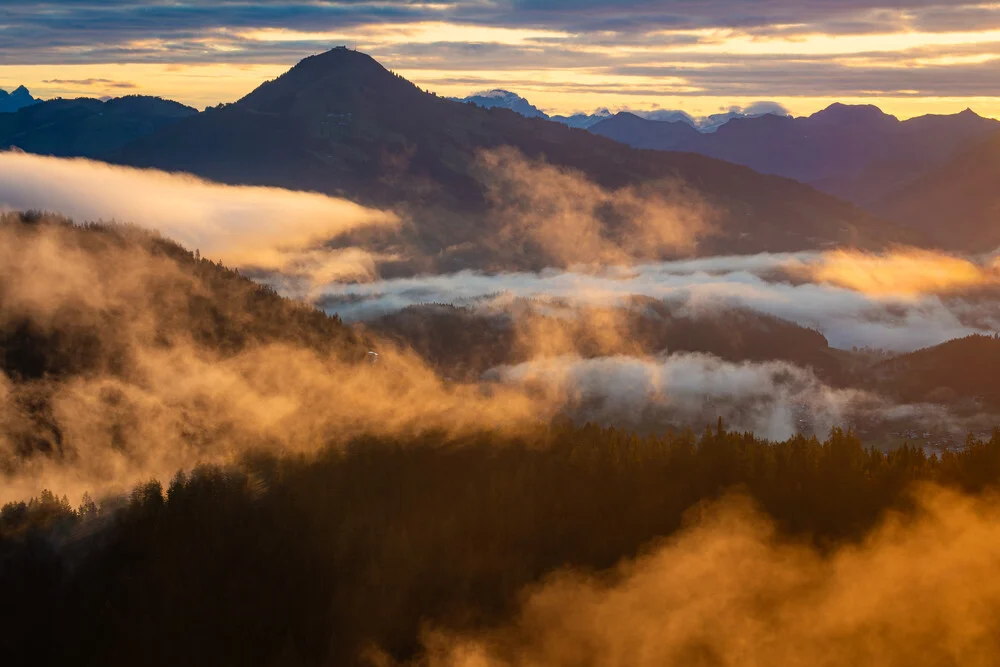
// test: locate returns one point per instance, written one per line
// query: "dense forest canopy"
(292, 560)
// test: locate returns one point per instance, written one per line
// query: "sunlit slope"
(100, 293)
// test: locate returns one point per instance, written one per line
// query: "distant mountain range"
(583, 121)
(857, 153)
(341, 124)
(18, 99)
(916, 172)
(504, 99)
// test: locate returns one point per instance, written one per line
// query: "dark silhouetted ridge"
(87, 127)
(856, 152)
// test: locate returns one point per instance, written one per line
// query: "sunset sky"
(908, 56)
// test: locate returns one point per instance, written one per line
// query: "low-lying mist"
(149, 361)
(731, 591)
(564, 219)
(773, 399)
(153, 389)
(268, 229)
(854, 299)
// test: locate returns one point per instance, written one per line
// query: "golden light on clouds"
(817, 44)
(409, 33)
(195, 84)
(701, 71)
(902, 272)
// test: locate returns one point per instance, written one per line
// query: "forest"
(319, 560)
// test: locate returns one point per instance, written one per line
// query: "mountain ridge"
(341, 124)
(957, 204)
(86, 127)
(855, 152)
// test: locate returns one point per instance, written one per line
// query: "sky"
(909, 57)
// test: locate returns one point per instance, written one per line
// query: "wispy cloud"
(106, 83)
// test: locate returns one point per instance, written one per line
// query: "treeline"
(286, 560)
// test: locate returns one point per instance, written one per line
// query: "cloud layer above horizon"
(911, 56)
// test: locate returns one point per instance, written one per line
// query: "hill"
(957, 205)
(123, 355)
(857, 153)
(341, 124)
(114, 289)
(466, 342)
(87, 127)
(962, 369)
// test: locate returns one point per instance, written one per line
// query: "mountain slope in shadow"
(857, 153)
(341, 124)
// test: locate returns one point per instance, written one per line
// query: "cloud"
(92, 82)
(729, 590)
(775, 399)
(573, 16)
(761, 108)
(598, 48)
(905, 272)
(572, 220)
(267, 229)
(777, 284)
(159, 388)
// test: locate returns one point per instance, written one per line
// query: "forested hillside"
(176, 296)
(295, 561)
(87, 127)
(962, 369)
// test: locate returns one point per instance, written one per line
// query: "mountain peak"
(339, 56)
(330, 82)
(18, 99)
(852, 113)
(505, 99)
